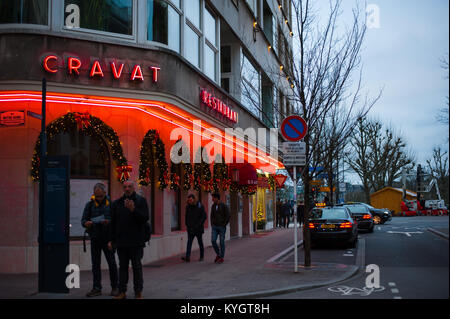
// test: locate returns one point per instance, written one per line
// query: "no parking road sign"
(294, 128)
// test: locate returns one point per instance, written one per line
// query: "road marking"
(347, 291)
(397, 297)
(406, 233)
(348, 255)
(392, 284)
(394, 290)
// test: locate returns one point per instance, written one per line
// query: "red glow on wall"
(154, 114)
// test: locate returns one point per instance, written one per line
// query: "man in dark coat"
(96, 219)
(286, 212)
(300, 213)
(195, 220)
(129, 214)
(220, 217)
(278, 213)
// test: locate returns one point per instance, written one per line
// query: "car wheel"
(371, 229)
(377, 220)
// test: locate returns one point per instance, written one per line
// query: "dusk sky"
(403, 57)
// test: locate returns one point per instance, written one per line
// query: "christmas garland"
(188, 177)
(220, 179)
(152, 149)
(202, 174)
(90, 126)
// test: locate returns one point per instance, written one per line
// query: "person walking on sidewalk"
(129, 214)
(195, 220)
(220, 217)
(286, 212)
(96, 219)
(278, 213)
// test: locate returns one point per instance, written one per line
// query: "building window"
(250, 87)
(24, 11)
(192, 11)
(192, 46)
(211, 51)
(268, 21)
(163, 24)
(267, 102)
(115, 16)
(225, 66)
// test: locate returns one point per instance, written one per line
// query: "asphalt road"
(412, 262)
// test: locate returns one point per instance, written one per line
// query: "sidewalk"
(253, 267)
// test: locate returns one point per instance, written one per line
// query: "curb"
(267, 293)
(438, 233)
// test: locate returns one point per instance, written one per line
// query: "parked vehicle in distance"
(332, 224)
(380, 215)
(362, 216)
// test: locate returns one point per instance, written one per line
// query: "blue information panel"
(55, 199)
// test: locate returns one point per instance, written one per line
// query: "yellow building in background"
(390, 198)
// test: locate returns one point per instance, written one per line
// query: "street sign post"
(294, 128)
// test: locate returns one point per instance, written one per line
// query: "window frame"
(31, 25)
(144, 31)
(132, 38)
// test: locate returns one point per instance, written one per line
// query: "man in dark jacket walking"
(129, 214)
(96, 219)
(195, 220)
(286, 212)
(220, 217)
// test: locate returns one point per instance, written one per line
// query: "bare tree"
(323, 74)
(438, 168)
(442, 115)
(378, 155)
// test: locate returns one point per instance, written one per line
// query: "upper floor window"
(163, 23)
(250, 87)
(115, 16)
(24, 11)
(211, 51)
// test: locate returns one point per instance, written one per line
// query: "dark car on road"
(332, 224)
(380, 215)
(362, 216)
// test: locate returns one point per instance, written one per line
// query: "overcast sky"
(403, 56)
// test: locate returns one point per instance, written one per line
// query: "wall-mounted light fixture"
(255, 30)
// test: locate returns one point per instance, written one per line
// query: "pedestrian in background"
(286, 212)
(300, 213)
(220, 217)
(129, 215)
(195, 220)
(278, 213)
(96, 219)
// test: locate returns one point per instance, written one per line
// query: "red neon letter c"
(45, 64)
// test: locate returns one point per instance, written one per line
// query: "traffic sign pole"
(295, 220)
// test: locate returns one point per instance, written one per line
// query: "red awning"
(247, 173)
